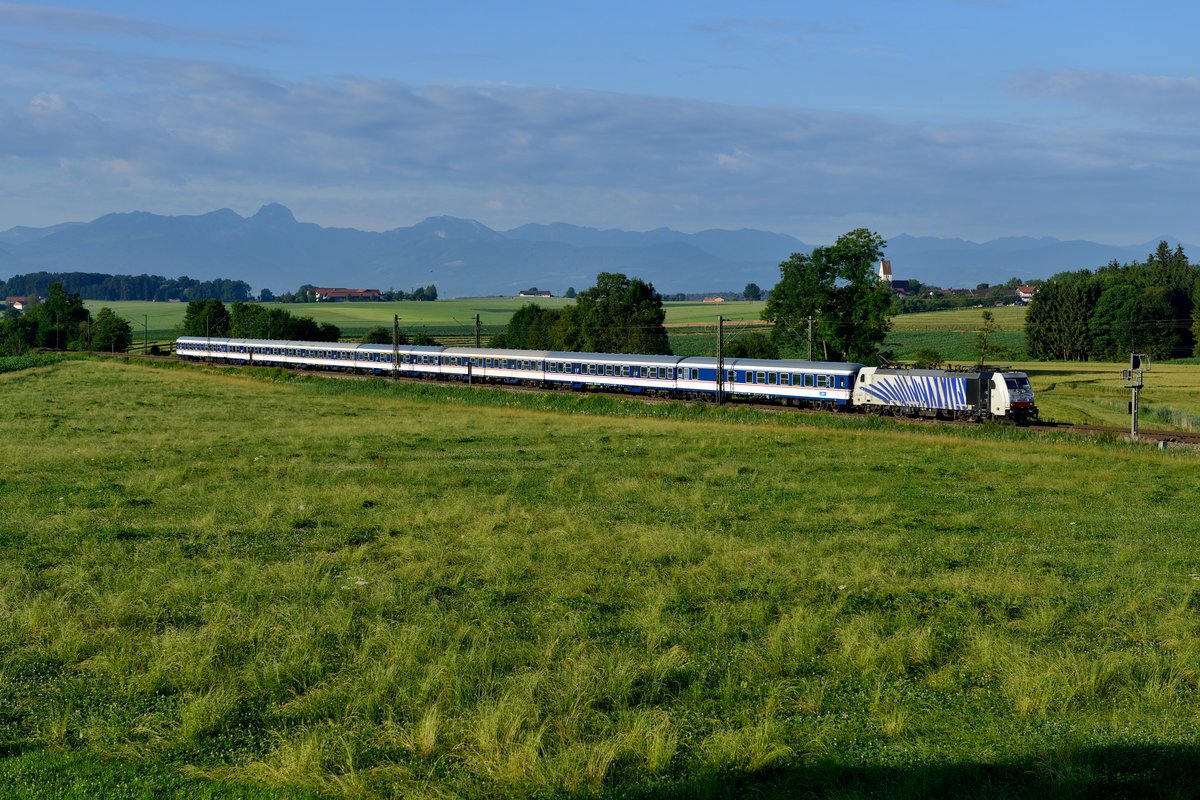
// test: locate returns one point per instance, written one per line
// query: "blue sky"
(956, 118)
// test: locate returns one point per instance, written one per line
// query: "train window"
(773, 378)
(808, 380)
(625, 372)
(822, 381)
(731, 376)
(760, 377)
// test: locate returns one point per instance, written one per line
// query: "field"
(443, 316)
(230, 585)
(1095, 393)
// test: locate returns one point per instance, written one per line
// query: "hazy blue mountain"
(21, 234)
(463, 257)
(958, 263)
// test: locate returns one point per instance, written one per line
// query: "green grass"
(364, 589)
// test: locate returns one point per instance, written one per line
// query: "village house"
(19, 303)
(333, 295)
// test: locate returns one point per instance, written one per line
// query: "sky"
(975, 119)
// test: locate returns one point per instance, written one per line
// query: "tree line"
(1150, 307)
(253, 321)
(62, 322)
(98, 286)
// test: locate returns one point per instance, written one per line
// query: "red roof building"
(331, 295)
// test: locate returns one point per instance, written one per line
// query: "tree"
(617, 315)
(837, 287)
(1196, 316)
(985, 346)
(17, 334)
(570, 293)
(927, 358)
(111, 332)
(381, 335)
(751, 345)
(205, 318)
(531, 327)
(752, 292)
(266, 296)
(1057, 325)
(61, 321)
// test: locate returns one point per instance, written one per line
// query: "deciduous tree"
(617, 315)
(837, 287)
(111, 332)
(205, 318)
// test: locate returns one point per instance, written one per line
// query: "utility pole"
(810, 338)
(395, 346)
(1139, 363)
(720, 360)
(477, 330)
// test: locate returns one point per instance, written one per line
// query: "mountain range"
(462, 257)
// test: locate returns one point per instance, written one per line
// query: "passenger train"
(832, 385)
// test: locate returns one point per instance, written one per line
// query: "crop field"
(1095, 393)
(961, 320)
(160, 320)
(251, 584)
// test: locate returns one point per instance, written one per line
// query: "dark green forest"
(97, 286)
(1151, 307)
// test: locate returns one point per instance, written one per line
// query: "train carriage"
(797, 382)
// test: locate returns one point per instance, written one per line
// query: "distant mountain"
(463, 257)
(956, 263)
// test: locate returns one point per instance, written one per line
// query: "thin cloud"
(55, 19)
(177, 132)
(1161, 97)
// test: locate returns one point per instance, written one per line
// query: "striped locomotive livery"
(946, 392)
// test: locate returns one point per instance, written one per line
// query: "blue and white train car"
(796, 382)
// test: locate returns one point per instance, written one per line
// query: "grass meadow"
(229, 584)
